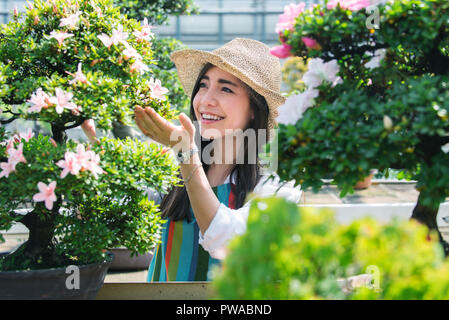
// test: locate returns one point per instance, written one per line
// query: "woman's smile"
(207, 118)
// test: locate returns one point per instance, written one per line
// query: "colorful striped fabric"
(179, 256)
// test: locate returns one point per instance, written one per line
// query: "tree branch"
(76, 124)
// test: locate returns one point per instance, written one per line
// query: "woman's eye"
(225, 89)
(202, 85)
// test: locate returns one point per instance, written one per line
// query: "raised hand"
(161, 130)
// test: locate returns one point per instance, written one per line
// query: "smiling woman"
(234, 92)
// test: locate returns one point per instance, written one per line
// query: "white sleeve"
(229, 223)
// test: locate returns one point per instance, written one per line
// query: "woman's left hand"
(161, 130)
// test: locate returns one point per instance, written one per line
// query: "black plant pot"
(54, 284)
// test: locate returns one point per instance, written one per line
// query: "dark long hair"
(175, 204)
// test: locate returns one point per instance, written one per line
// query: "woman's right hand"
(180, 138)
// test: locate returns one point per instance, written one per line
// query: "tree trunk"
(428, 216)
(38, 252)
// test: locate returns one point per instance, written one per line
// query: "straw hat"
(247, 59)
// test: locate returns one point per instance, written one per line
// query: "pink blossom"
(60, 36)
(93, 165)
(27, 136)
(39, 100)
(69, 164)
(282, 51)
(353, 5)
(107, 41)
(319, 71)
(18, 137)
(62, 100)
(71, 21)
(138, 66)
(145, 34)
(310, 43)
(7, 168)
(88, 160)
(295, 106)
(287, 19)
(130, 52)
(157, 90)
(47, 194)
(78, 76)
(16, 155)
(82, 156)
(118, 35)
(98, 11)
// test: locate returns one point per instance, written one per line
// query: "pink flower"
(295, 106)
(319, 71)
(47, 194)
(60, 36)
(287, 19)
(7, 168)
(82, 156)
(93, 165)
(78, 76)
(145, 34)
(18, 137)
(39, 100)
(71, 21)
(353, 5)
(27, 136)
(98, 11)
(157, 90)
(282, 51)
(138, 66)
(107, 41)
(16, 155)
(88, 160)
(118, 35)
(311, 43)
(130, 52)
(62, 100)
(70, 164)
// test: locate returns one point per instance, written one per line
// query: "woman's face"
(222, 102)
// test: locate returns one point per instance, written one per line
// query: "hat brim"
(190, 62)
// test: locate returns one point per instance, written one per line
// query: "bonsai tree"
(63, 62)
(291, 252)
(375, 96)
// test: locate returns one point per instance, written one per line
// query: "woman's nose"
(209, 97)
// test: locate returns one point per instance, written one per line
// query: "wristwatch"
(182, 157)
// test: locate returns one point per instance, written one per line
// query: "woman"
(233, 89)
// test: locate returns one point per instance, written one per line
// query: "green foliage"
(105, 203)
(156, 11)
(290, 252)
(344, 134)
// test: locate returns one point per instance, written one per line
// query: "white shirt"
(229, 223)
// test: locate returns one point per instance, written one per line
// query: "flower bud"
(388, 123)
